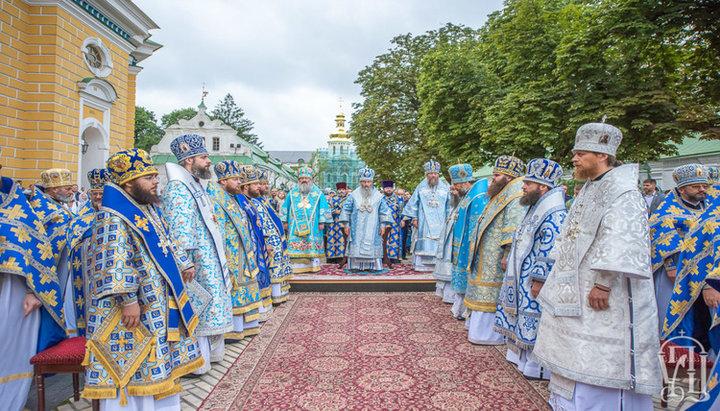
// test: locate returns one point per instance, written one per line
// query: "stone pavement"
(195, 389)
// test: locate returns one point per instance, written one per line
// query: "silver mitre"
(598, 138)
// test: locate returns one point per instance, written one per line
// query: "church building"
(222, 143)
(68, 73)
(338, 163)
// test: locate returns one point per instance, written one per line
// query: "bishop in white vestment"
(598, 330)
(366, 217)
(189, 211)
(427, 208)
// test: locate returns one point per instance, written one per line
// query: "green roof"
(693, 146)
(484, 171)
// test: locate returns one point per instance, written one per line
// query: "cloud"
(286, 62)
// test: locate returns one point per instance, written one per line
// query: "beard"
(497, 186)
(455, 200)
(201, 173)
(305, 188)
(63, 199)
(145, 197)
(366, 192)
(388, 194)
(432, 182)
(696, 198)
(530, 198)
(583, 173)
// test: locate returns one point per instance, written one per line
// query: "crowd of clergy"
(580, 291)
(158, 281)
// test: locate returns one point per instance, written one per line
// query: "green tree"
(385, 125)
(175, 116)
(229, 113)
(542, 68)
(147, 132)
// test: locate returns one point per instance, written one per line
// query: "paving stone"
(215, 373)
(211, 380)
(205, 386)
(193, 400)
(198, 392)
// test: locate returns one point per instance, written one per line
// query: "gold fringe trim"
(193, 323)
(95, 393)
(251, 331)
(176, 390)
(234, 335)
(482, 307)
(252, 317)
(167, 387)
(282, 299)
(250, 307)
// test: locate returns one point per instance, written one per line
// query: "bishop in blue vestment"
(427, 208)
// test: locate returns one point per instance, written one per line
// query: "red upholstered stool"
(678, 362)
(64, 357)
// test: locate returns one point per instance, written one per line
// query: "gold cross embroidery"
(141, 222)
(13, 213)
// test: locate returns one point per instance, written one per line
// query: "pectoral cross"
(573, 231)
(304, 203)
(164, 244)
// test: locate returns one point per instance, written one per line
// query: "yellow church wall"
(40, 110)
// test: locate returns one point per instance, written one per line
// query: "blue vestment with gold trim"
(277, 259)
(233, 221)
(698, 266)
(669, 224)
(494, 230)
(26, 252)
(392, 245)
(336, 236)
(263, 277)
(304, 216)
(470, 209)
(79, 232)
(135, 259)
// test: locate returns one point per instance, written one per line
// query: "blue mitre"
(262, 175)
(130, 164)
(188, 145)
(713, 175)
(305, 172)
(509, 165)
(97, 178)
(248, 174)
(432, 166)
(227, 169)
(544, 171)
(460, 173)
(367, 174)
(690, 174)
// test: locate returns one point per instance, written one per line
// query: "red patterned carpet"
(333, 351)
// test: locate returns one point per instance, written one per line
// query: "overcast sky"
(286, 62)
